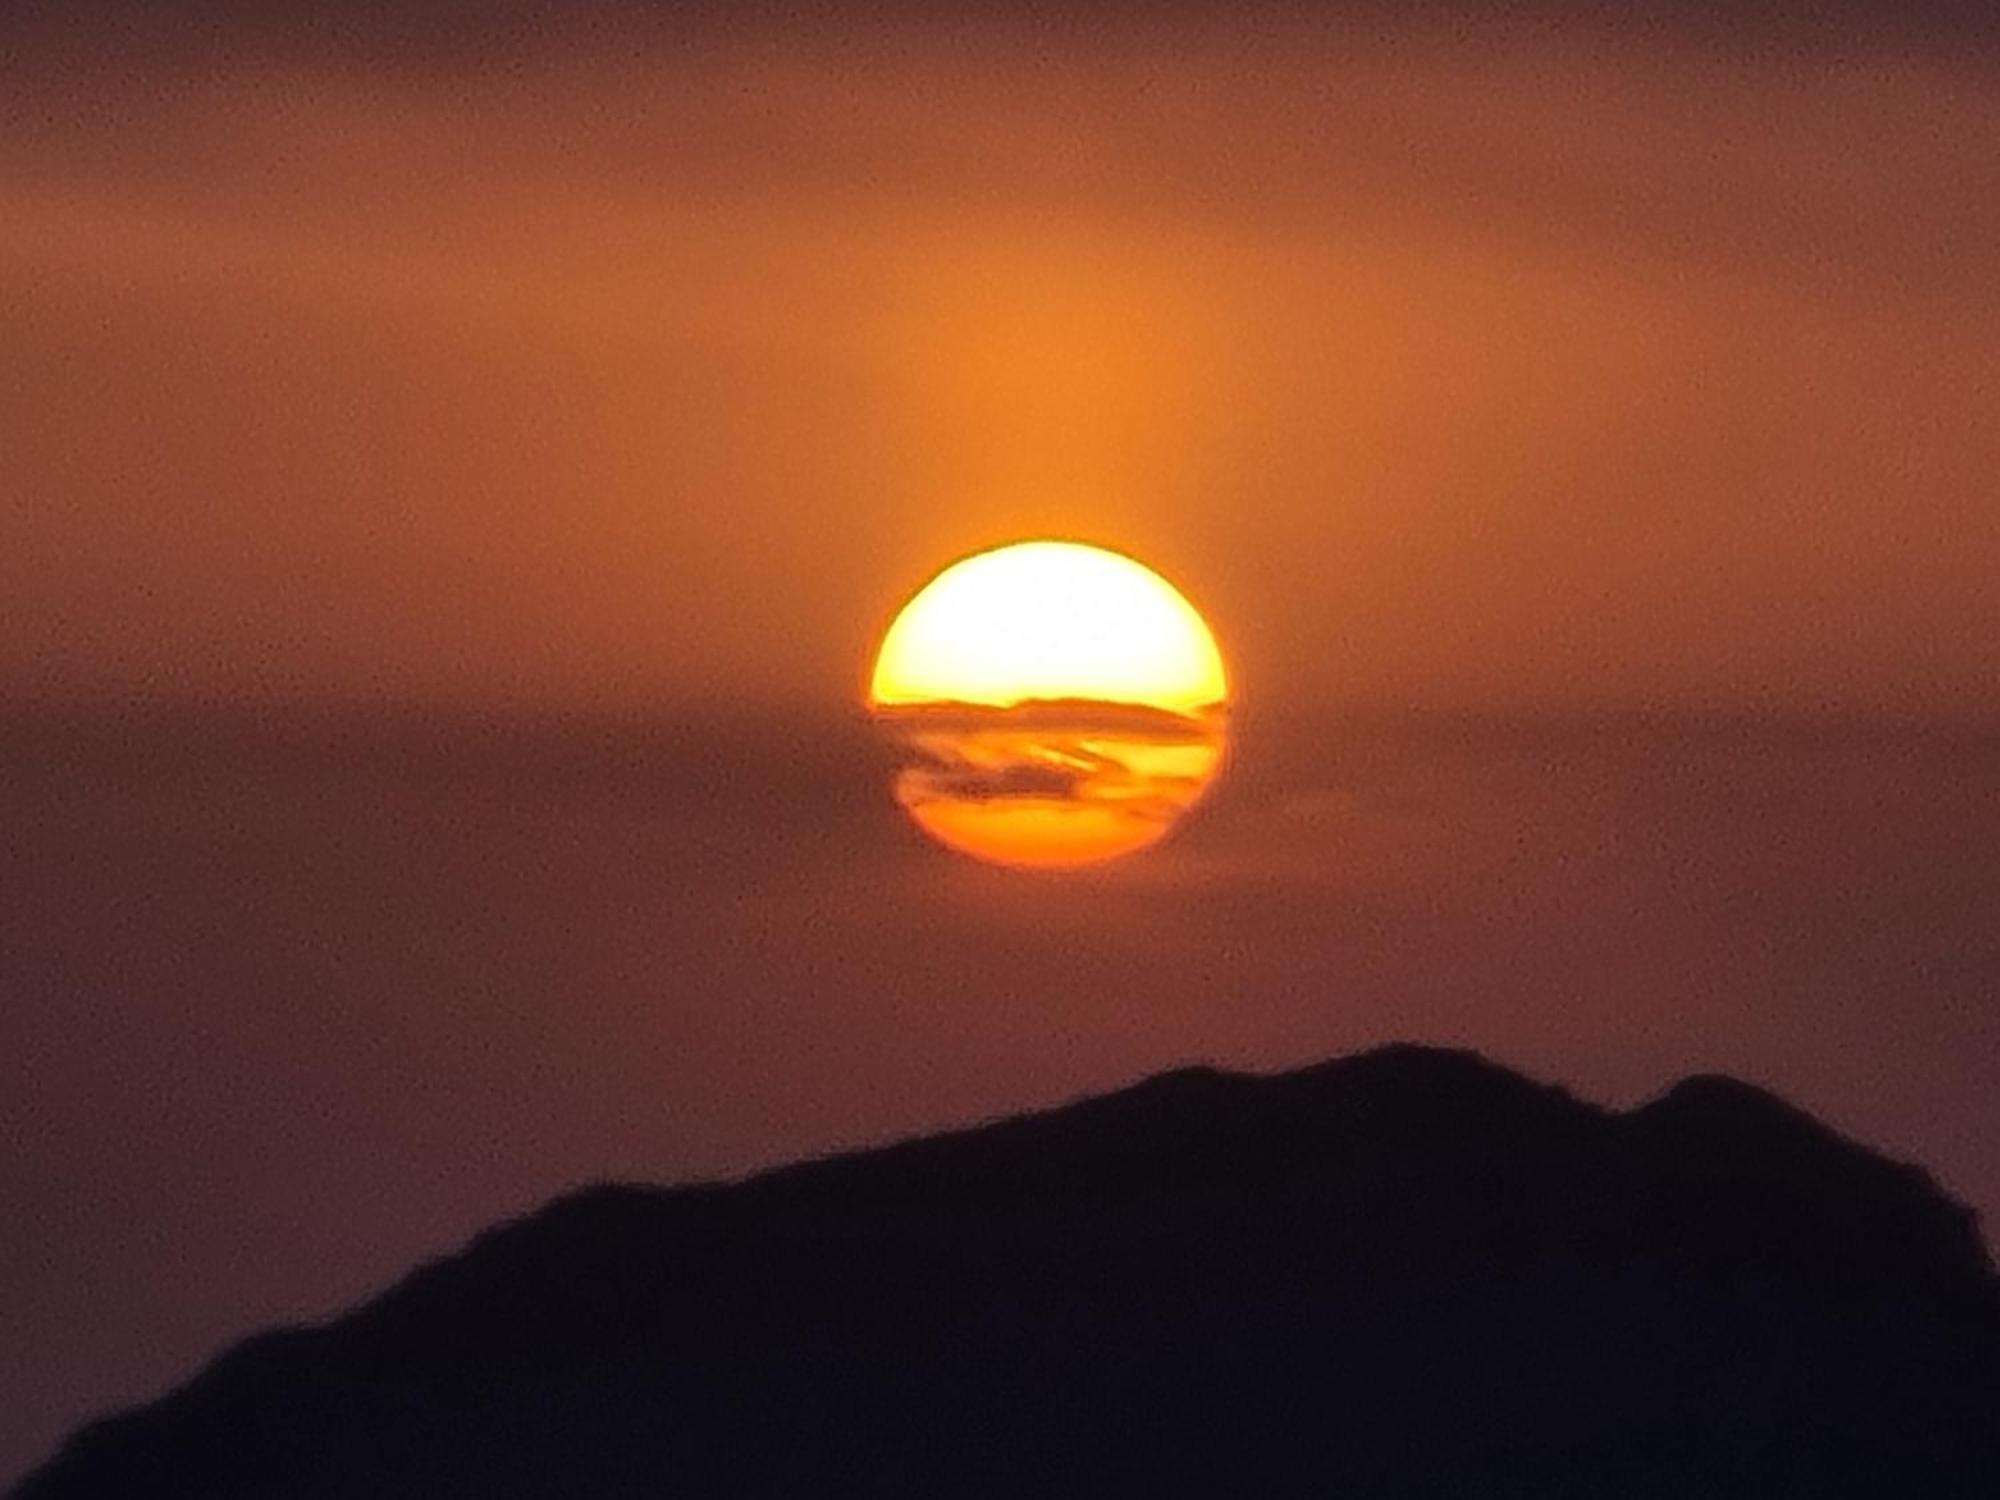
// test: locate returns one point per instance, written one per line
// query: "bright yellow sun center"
(1054, 704)
(1050, 620)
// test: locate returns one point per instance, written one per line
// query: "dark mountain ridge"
(1407, 1272)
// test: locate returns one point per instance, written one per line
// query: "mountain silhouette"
(1408, 1272)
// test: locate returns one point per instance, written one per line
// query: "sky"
(454, 473)
(1459, 366)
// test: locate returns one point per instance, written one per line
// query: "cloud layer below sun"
(1050, 783)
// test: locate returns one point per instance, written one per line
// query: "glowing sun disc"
(1053, 704)
(1050, 620)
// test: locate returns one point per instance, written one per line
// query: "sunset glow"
(1050, 620)
(1053, 705)
(615, 602)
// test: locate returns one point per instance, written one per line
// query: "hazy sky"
(453, 474)
(1447, 364)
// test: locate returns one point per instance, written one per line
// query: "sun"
(1049, 620)
(1053, 704)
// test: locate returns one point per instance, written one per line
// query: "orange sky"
(631, 377)
(1579, 369)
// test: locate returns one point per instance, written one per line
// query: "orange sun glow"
(1053, 704)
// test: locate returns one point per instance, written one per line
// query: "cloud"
(1071, 716)
(966, 783)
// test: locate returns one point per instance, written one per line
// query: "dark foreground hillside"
(1407, 1273)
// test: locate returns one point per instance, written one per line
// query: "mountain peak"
(1405, 1270)
(1721, 1095)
